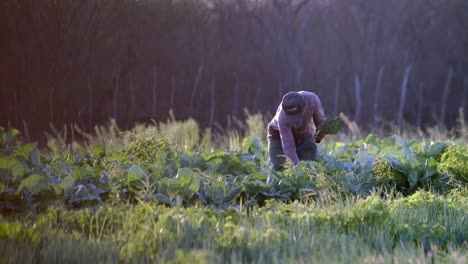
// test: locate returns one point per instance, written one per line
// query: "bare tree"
(419, 112)
(403, 93)
(465, 92)
(196, 83)
(75, 52)
(377, 95)
(285, 30)
(336, 97)
(116, 92)
(357, 92)
(235, 108)
(154, 85)
(212, 103)
(446, 91)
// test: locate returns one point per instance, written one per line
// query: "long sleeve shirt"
(289, 132)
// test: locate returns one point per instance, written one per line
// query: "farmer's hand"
(319, 138)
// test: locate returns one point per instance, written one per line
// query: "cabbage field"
(148, 198)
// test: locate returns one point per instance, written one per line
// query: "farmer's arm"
(319, 116)
(288, 144)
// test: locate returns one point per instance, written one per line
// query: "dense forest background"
(83, 62)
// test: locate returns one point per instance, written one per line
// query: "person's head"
(293, 105)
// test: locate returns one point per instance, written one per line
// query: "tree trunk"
(465, 93)
(90, 94)
(257, 97)
(445, 95)
(419, 113)
(212, 101)
(16, 103)
(298, 70)
(154, 87)
(235, 108)
(357, 93)
(280, 90)
(378, 88)
(172, 91)
(337, 96)
(131, 89)
(195, 87)
(51, 105)
(404, 88)
(116, 93)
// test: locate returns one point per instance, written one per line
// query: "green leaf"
(79, 173)
(191, 159)
(12, 164)
(331, 126)
(387, 142)
(34, 184)
(430, 168)
(252, 144)
(164, 199)
(112, 149)
(29, 152)
(202, 198)
(187, 178)
(217, 154)
(184, 173)
(259, 176)
(232, 194)
(35, 157)
(255, 186)
(435, 150)
(405, 147)
(67, 185)
(25, 151)
(85, 195)
(98, 151)
(135, 173)
(119, 157)
(135, 176)
(371, 139)
(216, 194)
(10, 136)
(390, 151)
(364, 159)
(413, 177)
(285, 185)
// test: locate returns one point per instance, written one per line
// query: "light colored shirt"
(312, 110)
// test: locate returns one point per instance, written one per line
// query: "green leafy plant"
(455, 161)
(331, 126)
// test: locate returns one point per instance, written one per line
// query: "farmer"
(289, 132)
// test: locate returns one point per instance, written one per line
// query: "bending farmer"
(289, 132)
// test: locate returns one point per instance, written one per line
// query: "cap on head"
(293, 104)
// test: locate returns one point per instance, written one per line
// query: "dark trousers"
(306, 149)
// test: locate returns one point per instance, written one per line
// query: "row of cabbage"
(150, 169)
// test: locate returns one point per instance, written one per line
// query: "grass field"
(169, 193)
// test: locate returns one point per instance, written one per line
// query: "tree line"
(87, 61)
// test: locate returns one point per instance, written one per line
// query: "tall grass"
(189, 136)
(371, 230)
(324, 228)
(186, 135)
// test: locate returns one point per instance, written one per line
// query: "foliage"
(149, 168)
(331, 126)
(348, 230)
(455, 161)
(150, 201)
